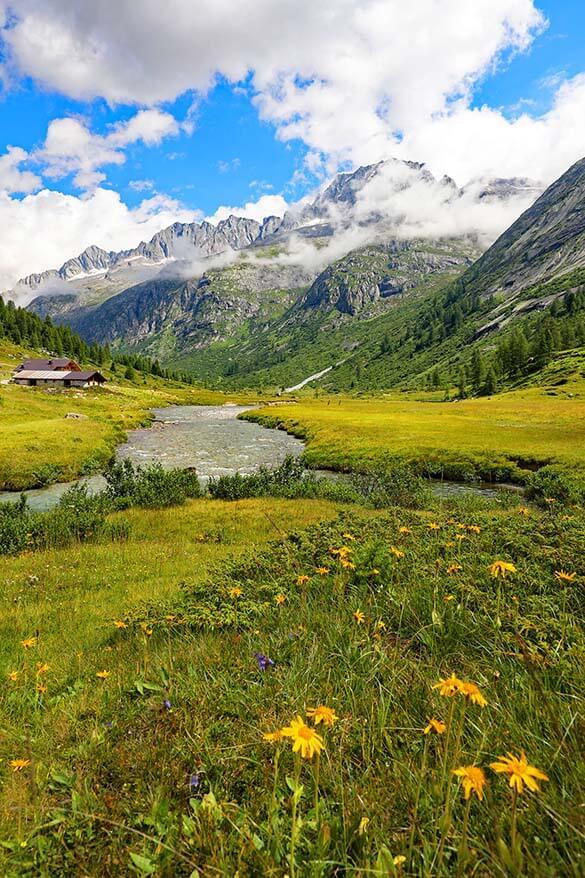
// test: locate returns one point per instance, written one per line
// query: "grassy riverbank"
(141, 747)
(39, 444)
(502, 436)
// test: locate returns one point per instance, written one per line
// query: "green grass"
(500, 436)
(107, 791)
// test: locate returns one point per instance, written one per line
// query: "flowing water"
(216, 443)
(210, 438)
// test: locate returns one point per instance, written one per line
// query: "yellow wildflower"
(473, 694)
(435, 725)
(454, 568)
(374, 572)
(306, 741)
(550, 500)
(280, 598)
(347, 565)
(380, 625)
(359, 617)
(348, 537)
(432, 525)
(303, 579)
(399, 860)
(473, 780)
(29, 642)
(235, 592)
(404, 530)
(41, 688)
(42, 667)
(363, 827)
(523, 510)
(449, 686)
(473, 528)
(564, 576)
(501, 568)
(448, 598)
(273, 737)
(322, 571)
(19, 764)
(322, 714)
(449, 545)
(521, 773)
(120, 624)
(103, 675)
(398, 553)
(460, 537)
(13, 675)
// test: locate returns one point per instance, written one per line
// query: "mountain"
(355, 252)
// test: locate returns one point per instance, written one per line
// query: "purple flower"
(194, 782)
(167, 704)
(263, 661)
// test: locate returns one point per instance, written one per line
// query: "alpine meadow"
(292, 493)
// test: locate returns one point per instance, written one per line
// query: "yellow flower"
(273, 737)
(19, 764)
(397, 552)
(41, 688)
(347, 565)
(454, 568)
(473, 780)
(235, 592)
(404, 530)
(432, 525)
(306, 741)
(13, 675)
(435, 725)
(374, 571)
(28, 642)
(42, 668)
(120, 624)
(145, 627)
(348, 536)
(322, 571)
(359, 617)
(399, 860)
(380, 625)
(550, 500)
(523, 510)
(448, 598)
(280, 598)
(473, 693)
(501, 568)
(449, 545)
(449, 686)
(521, 773)
(563, 576)
(473, 528)
(322, 714)
(363, 827)
(103, 675)
(301, 580)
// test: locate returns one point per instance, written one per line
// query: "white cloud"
(12, 179)
(71, 148)
(43, 230)
(267, 205)
(356, 80)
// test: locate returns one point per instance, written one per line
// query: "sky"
(114, 124)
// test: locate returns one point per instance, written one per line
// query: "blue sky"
(232, 156)
(256, 104)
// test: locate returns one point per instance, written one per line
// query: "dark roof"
(46, 364)
(83, 376)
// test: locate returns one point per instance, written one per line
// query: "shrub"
(150, 486)
(553, 482)
(77, 518)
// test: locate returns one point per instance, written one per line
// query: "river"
(216, 443)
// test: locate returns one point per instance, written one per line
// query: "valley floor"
(500, 437)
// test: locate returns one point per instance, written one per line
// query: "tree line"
(29, 330)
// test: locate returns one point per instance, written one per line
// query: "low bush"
(77, 518)
(553, 484)
(149, 486)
